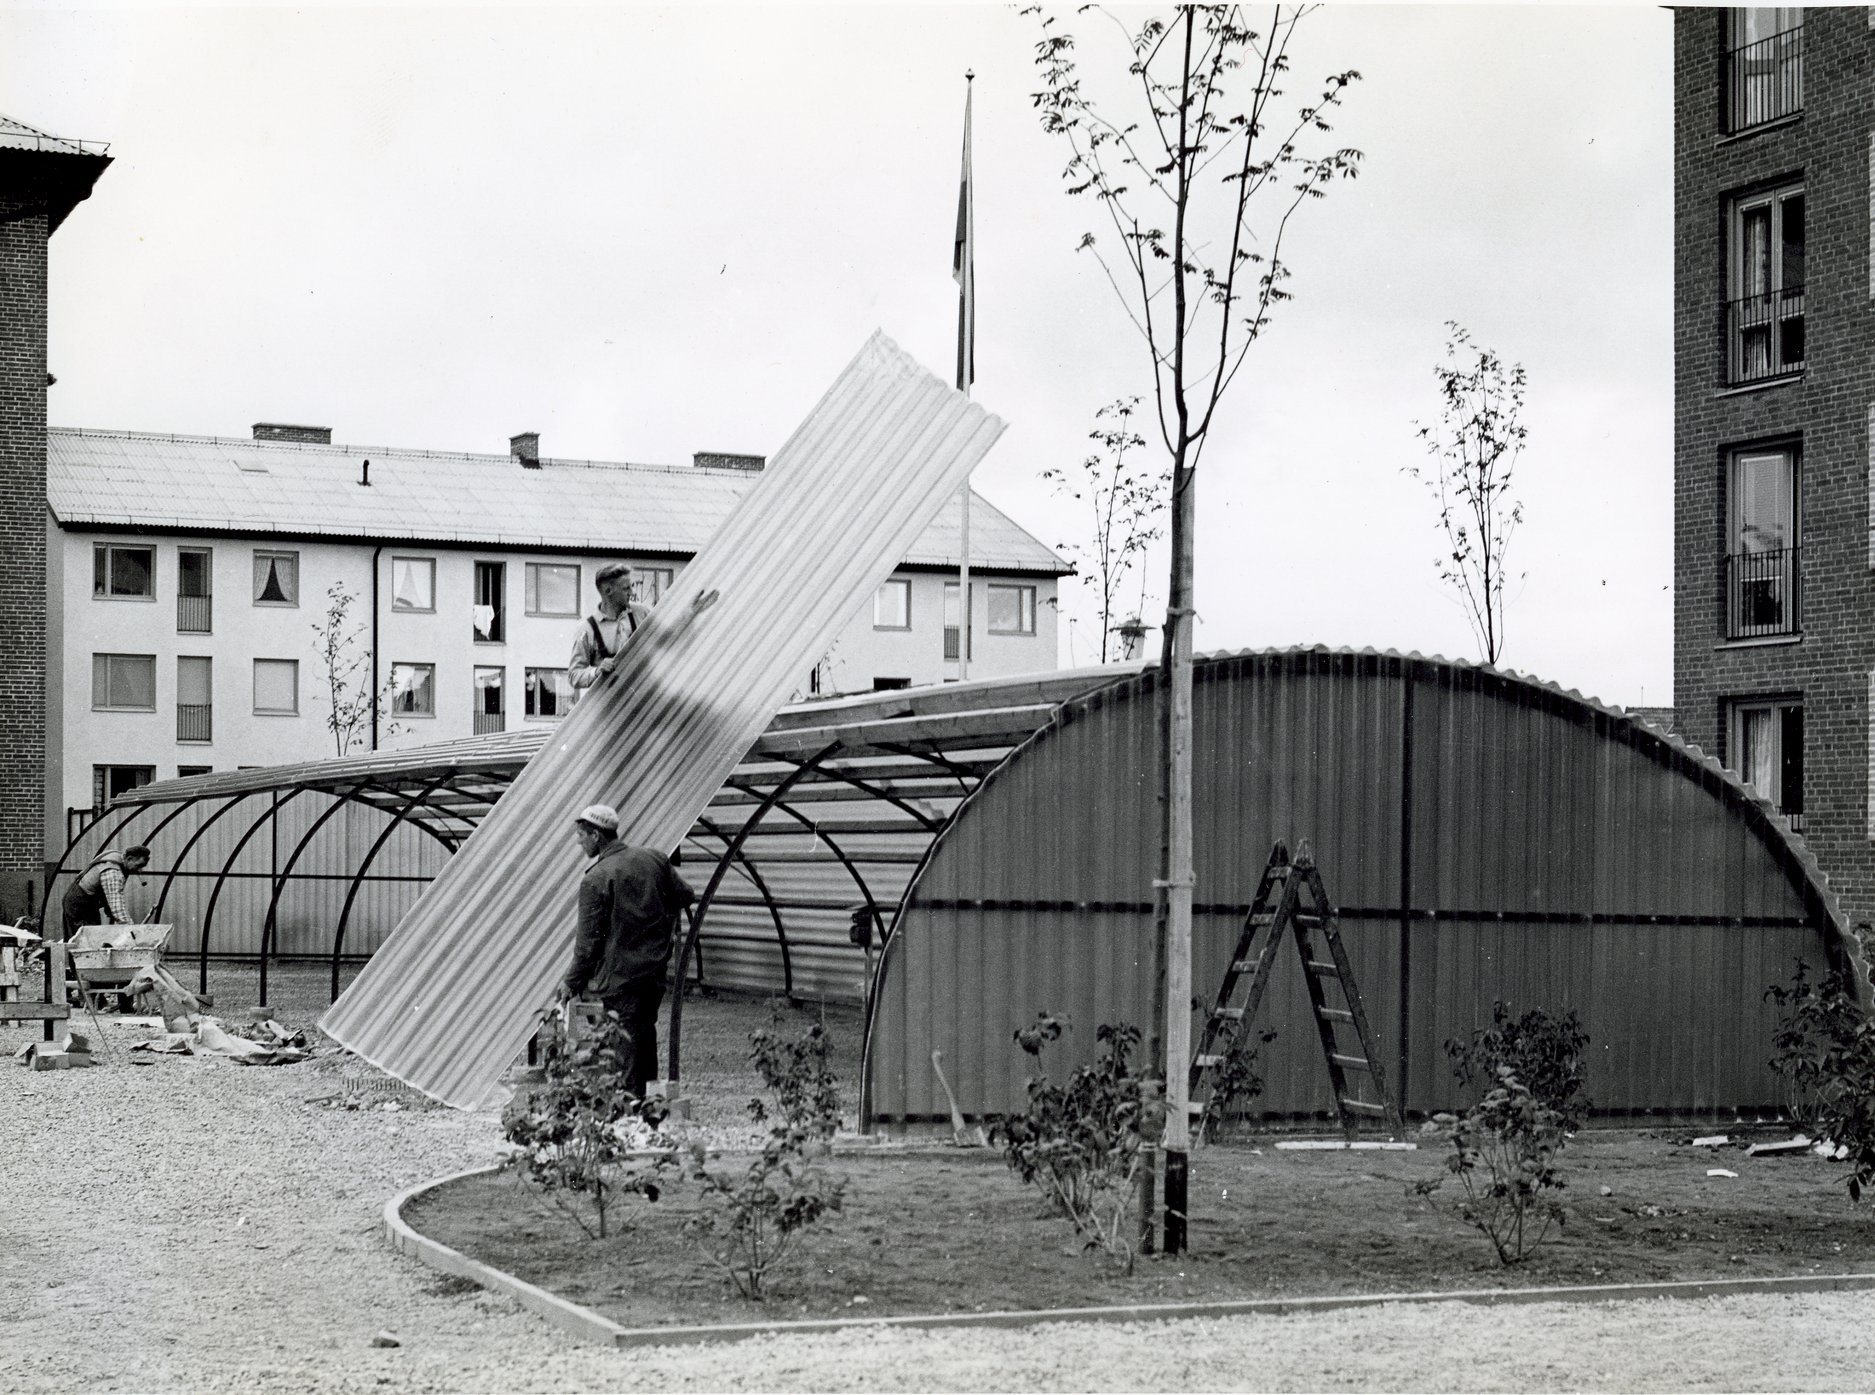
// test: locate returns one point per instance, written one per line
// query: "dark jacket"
(629, 903)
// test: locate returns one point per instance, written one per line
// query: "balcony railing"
(1764, 336)
(195, 721)
(1764, 81)
(485, 722)
(1761, 593)
(195, 615)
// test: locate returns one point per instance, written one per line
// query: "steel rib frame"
(703, 902)
(774, 911)
(269, 925)
(221, 880)
(194, 838)
(364, 866)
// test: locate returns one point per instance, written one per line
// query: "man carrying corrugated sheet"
(629, 903)
(596, 646)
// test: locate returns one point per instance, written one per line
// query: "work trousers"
(637, 1004)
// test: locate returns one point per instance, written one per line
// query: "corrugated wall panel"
(836, 509)
(1560, 857)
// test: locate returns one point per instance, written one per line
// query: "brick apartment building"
(42, 178)
(1774, 414)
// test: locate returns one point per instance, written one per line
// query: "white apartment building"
(190, 579)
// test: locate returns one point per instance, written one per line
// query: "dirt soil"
(954, 1230)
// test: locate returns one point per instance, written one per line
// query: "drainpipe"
(377, 553)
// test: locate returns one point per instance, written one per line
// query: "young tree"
(346, 664)
(1475, 447)
(1124, 496)
(1201, 180)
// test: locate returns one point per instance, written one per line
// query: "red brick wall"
(22, 554)
(1827, 409)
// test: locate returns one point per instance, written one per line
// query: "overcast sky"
(645, 232)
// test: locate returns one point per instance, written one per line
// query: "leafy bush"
(750, 1220)
(1825, 1047)
(583, 1135)
(1514, 1137)
(1082, 1144)
(1234, 1081)
(1547, 1054)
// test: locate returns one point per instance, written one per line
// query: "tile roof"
(17, 135)
(213, 484)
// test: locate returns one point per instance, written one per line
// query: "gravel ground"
(196, 1225)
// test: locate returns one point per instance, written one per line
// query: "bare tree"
(1124, 496)
(1475, 448)
(1201, 180)
(346, 665)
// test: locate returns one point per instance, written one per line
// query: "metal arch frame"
(852, 869)
(351, 892)
(749, 870)
(270, 926)
(848, 778)
(221, 879)
(950, 768)
(169, 880)
(702, 906)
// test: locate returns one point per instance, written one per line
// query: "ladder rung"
(1349, 1062)
(1206, 1062)
(1378, 1111)
(1323, 970)
(1230, 1014)
(1245, 966)
(1329, 1014)
(1194, 1106)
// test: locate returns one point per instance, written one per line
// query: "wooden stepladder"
(1290, 897)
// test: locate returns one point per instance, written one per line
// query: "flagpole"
(966, 273)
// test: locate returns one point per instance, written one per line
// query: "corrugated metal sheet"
(1485, 836)
(217, 484)
(447, 1003)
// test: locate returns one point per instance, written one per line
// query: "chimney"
(526, 449)
(280, 431)
(720, 460)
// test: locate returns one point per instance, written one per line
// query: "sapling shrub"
(1082, 1144)
(1234, 1081)
(582, 1140)
(749, 1220)
(1547, 1054)
(1825, 1047)
(1504, 1158)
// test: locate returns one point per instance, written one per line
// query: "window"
(183, 772)
(1011, 609)
(413, 583)
(650, 583)
(491, 702)
(123, 573)
(276, 578)
(195, 700)
(276, 687)
(413, 690)
(891, 605)
(1761, 562)
(548, 693)
(110, 781)
(123, 682)
(552, 588)
(1763, 65)
(490, 611)
(890, 685)
(1766, 743)
(194, 590)
(1764, 307)
(950, 622)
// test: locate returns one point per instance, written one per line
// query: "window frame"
(275, 553)
(1779, 570)
(528, 689)
(254, 692)
(1735, 95)
(666, 577)
(1737, 709)
(104, 571)
(1768, 308)
(1025, 607)
(101, 664)
(530, 590)
(426, 682)
(397, 605)
(498, 626)
(902, 584)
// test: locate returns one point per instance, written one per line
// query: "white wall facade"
(83, 625)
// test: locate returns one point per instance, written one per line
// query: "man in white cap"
(630, 902)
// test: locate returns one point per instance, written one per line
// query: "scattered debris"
(385, 1339)
(174, 1043)
(1798, 1144)
(1832, 1150)
(1713, 1140)
(1720, 1172)
(1607, 1190)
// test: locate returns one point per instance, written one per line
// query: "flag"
(963, 266)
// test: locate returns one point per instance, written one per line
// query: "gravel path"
(196, 1225)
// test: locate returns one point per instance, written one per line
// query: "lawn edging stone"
(583, 1322)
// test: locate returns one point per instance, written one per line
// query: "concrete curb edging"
(584, 1322)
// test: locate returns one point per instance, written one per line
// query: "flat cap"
(600, 816)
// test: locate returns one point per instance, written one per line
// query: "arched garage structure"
(1485, 837)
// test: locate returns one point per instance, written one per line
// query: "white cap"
(600, 816)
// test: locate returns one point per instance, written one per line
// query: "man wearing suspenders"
(596, 647)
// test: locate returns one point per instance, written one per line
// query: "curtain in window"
(1757, 739)
(276, 579)
(410, 583)
(1763, 507)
